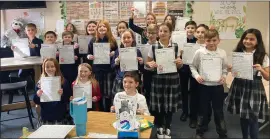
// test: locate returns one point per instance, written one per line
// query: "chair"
(8, 87)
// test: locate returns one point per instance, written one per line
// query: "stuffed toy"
(17, 31)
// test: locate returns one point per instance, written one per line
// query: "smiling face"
(50, 38)
(190, 30)
(168, 20)
(129, 84)
(102, 29)
(50, 68)
(127, 39)
(67, 39)
(84, 73)
(164, 33)
(211, 44)
(69, 28)
(250, 41)
(150, 20)
(30, 31)
(121, 28)
(199, 34)
(91, 29)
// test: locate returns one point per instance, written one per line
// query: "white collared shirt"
(141, 101)
(195, 66)
(201, 45)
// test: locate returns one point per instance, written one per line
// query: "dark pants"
(184, 78)
(147, 78)
(163, 119)
(251, 127)
(215, 95)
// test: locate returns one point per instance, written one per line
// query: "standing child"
(194, 92)
(86, 77)
(210, 91)
(130, 83)
(185, 73)
(171, 20)
(70, 70)
(127, 40)
(103, 72)
(70, 27)
(50, 38)
(53, 112)
(90, 31)
(121, 27)
(150, 19)
(165, 88)
(247, 97)
(152, 31)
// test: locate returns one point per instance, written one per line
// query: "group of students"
(160, 94)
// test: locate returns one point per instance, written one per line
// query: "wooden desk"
(23, 63)
(101, 122)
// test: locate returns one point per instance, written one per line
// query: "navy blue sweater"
(119, 73)
(36, 51)
(55, 110)
(101, 67)
(138, 30)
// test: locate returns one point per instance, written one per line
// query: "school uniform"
(147, 79)
(70, 71)
(185, 76)
(165, 91)
(248, 98)
(55, 112)
(210, 92)
(138, 30)
(95, 92)
(104, 75)
(117, 84)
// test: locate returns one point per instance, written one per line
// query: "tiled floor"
(13, 129)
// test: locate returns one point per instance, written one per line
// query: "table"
(101, 122)
(23, 63)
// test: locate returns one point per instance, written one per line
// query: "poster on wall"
(176, 8)
(125, 9)
(159, 9)
(37, 18)
(95, 10)
(79, 24)
(229, 18)
(140, 9)
(111, 11)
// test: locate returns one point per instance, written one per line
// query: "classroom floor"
(13, 129)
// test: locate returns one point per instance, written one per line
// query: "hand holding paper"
(60, 91)
(140, 60)
(199, 79)
(90, 57)
(39, 93)
(258, 67)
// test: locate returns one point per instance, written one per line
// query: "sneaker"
(167, 134)
(160, 133)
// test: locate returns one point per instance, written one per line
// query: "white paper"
(125, 108)
(83, 90)
(118, 41)
(128, 59)
(101, 53)
(242, 65)
(50, 87)
(189, 50)
(165, 60)
(83, 41)
(11, 34)
(48, 51)
(180, 38)
(99, 135)
(180, 23)
(52, 131)
(79, 24)
(211, 68)
(22, 47)
(144, 49)
(66, 54)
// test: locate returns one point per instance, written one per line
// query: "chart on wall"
(176, 8)
(37, 18)
(111, 11)
(95, 10)
(229, 18)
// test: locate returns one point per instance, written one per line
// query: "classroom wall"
(257, 17)
(51, 15)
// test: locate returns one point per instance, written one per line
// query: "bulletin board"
(115, 11)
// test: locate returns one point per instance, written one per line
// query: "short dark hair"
(65, 33)
(50, 32)
(132, 74)
(191, 23)
(31, 25)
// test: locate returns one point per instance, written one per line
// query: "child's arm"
(143, 106)
(115, 60)
(264, 69)
(67, 92)
(90, 50)
(134, 27)
(36, 96)
(96, 92)
(195, 66)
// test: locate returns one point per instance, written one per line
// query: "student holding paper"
(185, 73)
(86, 77)
(210, 89)
(127, 40)
(130, 83)
(90, 31)
(70, 27)
(50, 38)
(247, 97)
(103, 72)
(165, 88)
(150, 19)
(54, 112)
(69, 71)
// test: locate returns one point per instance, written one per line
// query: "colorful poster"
(125, 9)
(159, 9)
(111, 11)
(95, 10)
(37, 18)
(229, 18)
(140, 9)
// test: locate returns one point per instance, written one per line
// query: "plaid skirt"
(165, 93)
(248, 98)
(117, 86)
(106, 83)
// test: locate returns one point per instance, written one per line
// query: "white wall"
(257, 17)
